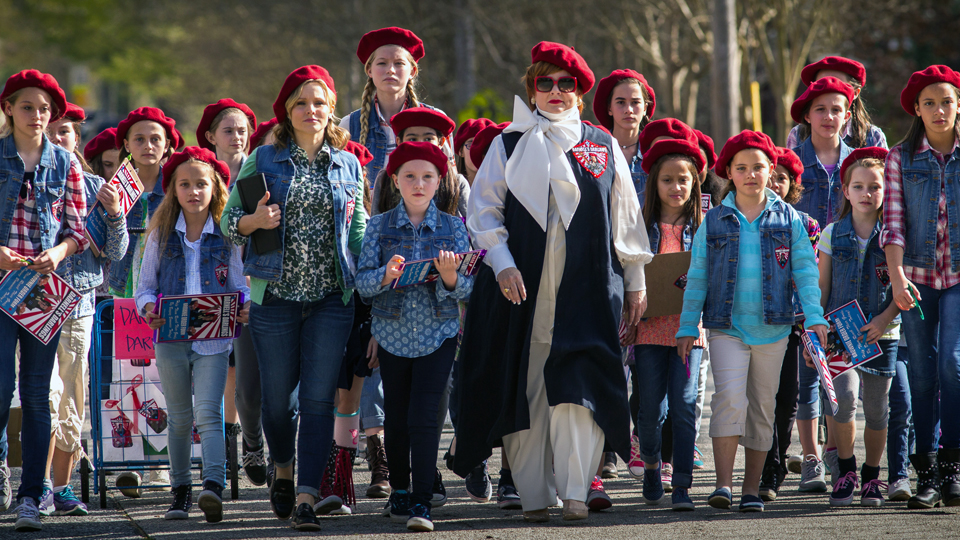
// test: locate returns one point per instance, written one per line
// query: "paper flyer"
(812, 344)
(40, 303)
(199, 317)
(423, 271)
(845, 337)
(128, 185)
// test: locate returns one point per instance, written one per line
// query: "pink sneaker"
(635, 467)
(666, 477)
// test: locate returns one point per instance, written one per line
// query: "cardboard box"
(14, 455)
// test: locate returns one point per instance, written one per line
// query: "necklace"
(625, 146)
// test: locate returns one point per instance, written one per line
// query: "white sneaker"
(812, 476)
(129, 484)
(158, 480)
(795, 464)
(28, 516)
(46, 506)
(5, 495)
(899, 490)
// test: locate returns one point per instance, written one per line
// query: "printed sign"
(40, 303)
(199, 317)
(132, 338)
(128, 185)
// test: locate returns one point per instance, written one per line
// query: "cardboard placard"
(39, 303)
(129, 187)
(132, 338)
(666, 277)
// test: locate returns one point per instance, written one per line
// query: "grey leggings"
(876, 391)
(247, 397)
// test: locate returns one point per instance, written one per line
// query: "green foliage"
(485, 104)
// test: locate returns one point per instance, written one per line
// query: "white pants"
(561, 451)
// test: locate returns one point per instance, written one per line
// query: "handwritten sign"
(132, 338)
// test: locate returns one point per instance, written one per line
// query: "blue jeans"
(182, 370)
(900, 435)
(664, 380)
(934, 368)
(300, 346)
(36, 367)
(371, 401)
(808, 400)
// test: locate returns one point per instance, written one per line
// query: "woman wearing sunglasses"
(545, 332)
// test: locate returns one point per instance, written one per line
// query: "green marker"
(917, 302)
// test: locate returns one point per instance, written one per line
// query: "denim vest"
(653, 232)
(49, 186)
(639, 178)
(820, 191)
(214, 252)
(84, 270)
(723, 252)
(403, 241)
(345, 178)
(868, 284)
(120, 271)
(921, 177)
(377, 140)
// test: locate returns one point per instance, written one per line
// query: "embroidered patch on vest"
(883, 273)
(681, 282)
(221, 272)
(591, 157)
(57, 209)
(351, 204)
(782, 254)
(705, 203)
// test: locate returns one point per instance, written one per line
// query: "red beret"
(745, 140)
(261, 132)
(665, 127)
(601, 128)
(672, 146)
(826, 85)
(706, 144)
(359, 150)
(211, 111)
(422, 116)
(150, 114)
(789, 160)
(874, 152)
(373, 40)
(294, 80)
(31, 78)
(105, 140)
(410, 151)
(834, 63)
(565, 58)
(922, 79)
(194, 152)
(482, 141)
(601, 106)
(75, 113)
(469, 129)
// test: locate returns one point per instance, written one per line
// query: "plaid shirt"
(25, 229)
(941, 276)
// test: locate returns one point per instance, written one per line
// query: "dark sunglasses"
(564, 84)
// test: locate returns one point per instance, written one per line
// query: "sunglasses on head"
(564, 84)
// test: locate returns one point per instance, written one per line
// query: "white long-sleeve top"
(485, 216)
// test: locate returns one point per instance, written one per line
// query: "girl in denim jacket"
(186, 253)
(42, 224)
(853, 267)
(745, 255)
(417, 326)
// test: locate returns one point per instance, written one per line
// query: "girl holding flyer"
(417, 343)
(186, 253)
(853, 267)
(42, 224)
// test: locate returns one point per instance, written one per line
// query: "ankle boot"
(928, 481)
(379, 474)
(949, 464)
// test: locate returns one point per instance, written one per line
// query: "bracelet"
(114, 219)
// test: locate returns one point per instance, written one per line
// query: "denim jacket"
(412, 321)
(653, 232)
(85, 270)
(345, 178)
(377, 141)
(922, 177)
(120, 272)
(822, 194)
(867, 283)
(49, 185)
(639, 178)
(215, 252)
(723, 251)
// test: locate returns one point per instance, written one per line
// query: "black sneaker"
(844, 489)
(398, 507)
(254, 464)
(182, 502)
(283, 498)
(305, 519)
(478, 484)
(210, 501)
(439, 492)
(507, 496)
(770, 482)
(420, 519)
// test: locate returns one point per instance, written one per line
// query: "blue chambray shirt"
(418, 332)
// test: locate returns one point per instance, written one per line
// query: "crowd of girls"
(526, 355)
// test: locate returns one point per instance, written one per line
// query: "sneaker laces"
(67, 494)
(28, 509)
(597, 484)
(872, 485)
(843, 480)
(181, 498)
(254, 458)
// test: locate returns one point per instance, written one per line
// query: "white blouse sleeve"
(485, 210)
(630, 239)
